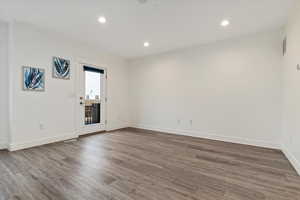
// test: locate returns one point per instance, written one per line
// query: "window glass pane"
(92, 97)
(92, 85)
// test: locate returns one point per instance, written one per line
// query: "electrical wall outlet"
(42, 127)
(298, 67)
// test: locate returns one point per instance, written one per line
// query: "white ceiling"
(167, 24)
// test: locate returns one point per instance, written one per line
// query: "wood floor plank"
(136, 164)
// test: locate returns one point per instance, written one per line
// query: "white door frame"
(82, 129)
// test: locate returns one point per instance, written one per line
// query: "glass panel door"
(92, 99)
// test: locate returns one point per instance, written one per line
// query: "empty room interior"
(150, 100)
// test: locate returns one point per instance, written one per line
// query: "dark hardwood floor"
(131, 164)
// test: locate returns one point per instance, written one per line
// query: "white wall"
(3, 84)
(231, 90)
(291, 103)
(55, 108)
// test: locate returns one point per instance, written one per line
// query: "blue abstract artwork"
(61, 68)
(33, 79)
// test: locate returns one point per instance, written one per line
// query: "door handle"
(81, 101)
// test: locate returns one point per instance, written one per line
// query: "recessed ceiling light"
(102, 20)
(225, 23)
(146, 44)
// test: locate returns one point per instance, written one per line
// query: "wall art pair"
(34, 78)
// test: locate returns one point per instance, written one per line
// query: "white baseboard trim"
(42, 141)
(289, 155)
(117, 126)
(48, 140)
(3, 145)
(211, 136)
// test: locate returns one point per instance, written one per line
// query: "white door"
(91, 96)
